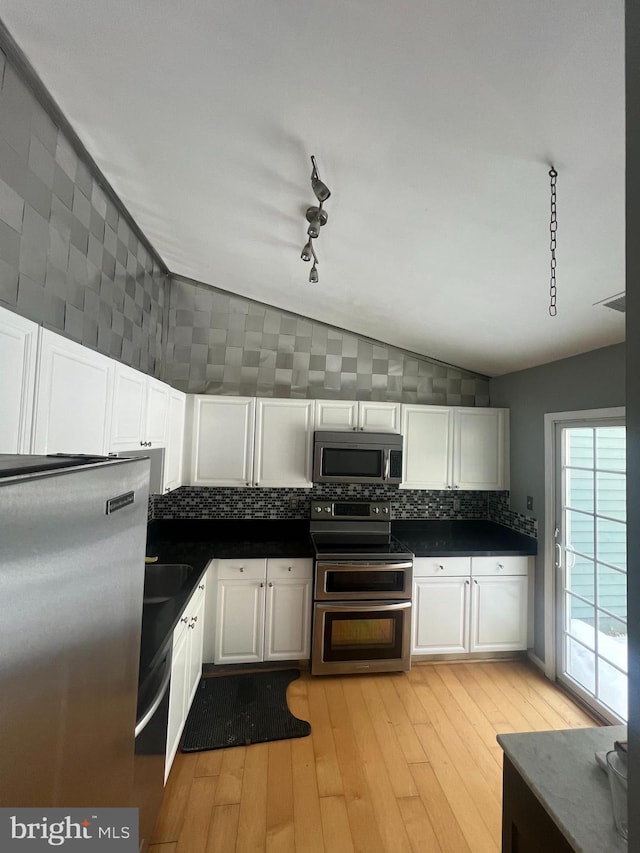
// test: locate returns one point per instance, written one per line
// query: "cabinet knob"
(247, 484)
(467, 582)
(194, 619)
(200, 586)
(500, 567)
(270, 583)
(184, 619)
(191, 625)
(289, 569)
(242, 568)
(261, 585)
(441, 567)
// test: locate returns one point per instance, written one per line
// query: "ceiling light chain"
(553, 227)
(316, 216)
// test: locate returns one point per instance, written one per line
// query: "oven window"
(362, 635)
(339, 462)
(364, 582)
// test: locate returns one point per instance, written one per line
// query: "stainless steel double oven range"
(362, 590)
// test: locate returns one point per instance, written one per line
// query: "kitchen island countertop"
(560, 770)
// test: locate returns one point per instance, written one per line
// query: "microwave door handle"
(387, 463)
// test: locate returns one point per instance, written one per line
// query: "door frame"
(551, 420)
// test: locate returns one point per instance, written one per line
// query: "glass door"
(591, 564)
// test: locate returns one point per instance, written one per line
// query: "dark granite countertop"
(196, 541)
(462, 538)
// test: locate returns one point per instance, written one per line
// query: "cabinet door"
(128, 419)
(283, 443)
(427, 447)
(440, 615)
(73, 398)
(175, 440)
(499, 613)
(222, 450)
(288, 620)
(157, 407)
(336, 414)
(379, 417)
(177, 694)
(195, 636)
(18, 350)
(480, 449)
(239, 621)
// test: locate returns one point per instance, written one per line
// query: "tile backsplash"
(207, 502)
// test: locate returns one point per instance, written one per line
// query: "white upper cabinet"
(175, 440)
(73, 398)
(18, 350)
(336, 414)
(379, 417)
(351, 415)
(140, 410)
(481, 453)
(222, 443)
(455, 448)
(427, 449)
(157, 412)
(129, 414)
(283, 443)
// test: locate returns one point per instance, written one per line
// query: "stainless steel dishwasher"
(151, 744)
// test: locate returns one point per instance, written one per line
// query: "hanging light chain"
(553, 227)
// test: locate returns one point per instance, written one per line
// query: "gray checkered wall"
(219, 343)
(70, 258)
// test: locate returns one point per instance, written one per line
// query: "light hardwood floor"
(395, 762)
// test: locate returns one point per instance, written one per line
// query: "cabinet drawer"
(429, 567)
(281, 568)
(249, 569)
(499, 565)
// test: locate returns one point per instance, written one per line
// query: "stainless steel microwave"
(357, 457)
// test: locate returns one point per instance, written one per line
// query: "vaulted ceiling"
(433, 123)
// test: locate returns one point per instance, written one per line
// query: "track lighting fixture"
(316, 216)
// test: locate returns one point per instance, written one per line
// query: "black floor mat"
(236, 710)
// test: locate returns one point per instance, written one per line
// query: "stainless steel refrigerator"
(72, 546)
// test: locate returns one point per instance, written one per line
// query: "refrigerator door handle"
(144, 720)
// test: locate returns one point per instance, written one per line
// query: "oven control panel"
(356, 510)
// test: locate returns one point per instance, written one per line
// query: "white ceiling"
(433, 123)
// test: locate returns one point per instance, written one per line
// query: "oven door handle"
(349, 566)
(365, 605)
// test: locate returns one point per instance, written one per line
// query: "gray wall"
(632, 26)
(219, 343)
(593, 380)
(71, 258)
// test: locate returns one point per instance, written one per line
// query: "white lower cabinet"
(440, 615)
(469, 604)
(186, 669)
(263, 609)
